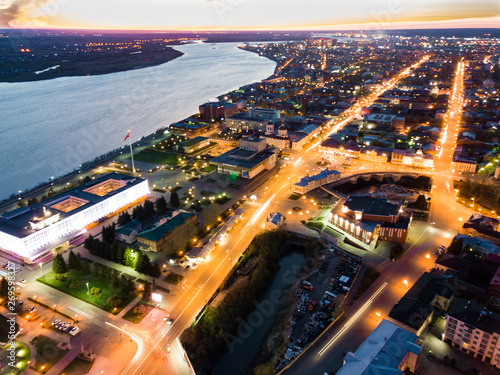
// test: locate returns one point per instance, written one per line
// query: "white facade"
(474, 341)
(32, 246)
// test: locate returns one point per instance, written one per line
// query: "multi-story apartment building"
(474, 330)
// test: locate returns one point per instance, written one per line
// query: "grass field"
(137, 313)
(173, 278)
(47, 354)
(210, 168)
(81, 292)
(77, 367)
(157, 157)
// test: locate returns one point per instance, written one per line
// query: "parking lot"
(317, 298)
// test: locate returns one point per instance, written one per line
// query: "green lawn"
(209, 169)
(173, 278)
(81, 292)
(77, 367)
(157, 157)
(316, 225)
(47, 354)
(21, 362)
(331, 232)
(137, 313)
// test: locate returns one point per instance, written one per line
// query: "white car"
(74, 331)
(167, 317)
(194, 266)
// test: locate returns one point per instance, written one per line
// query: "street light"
(88, 290)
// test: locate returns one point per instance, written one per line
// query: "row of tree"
(208, 339)
(114, 252)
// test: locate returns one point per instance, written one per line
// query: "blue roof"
(304, 181)
(382, 352)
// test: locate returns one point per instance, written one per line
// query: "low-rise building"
(475, 330)
(388, 350)
(274, 221)
(246, 122)
(482, 227)
(192, 145)
(415, 309)
(309, 183)
(247, 161)
(190, 128)
(158, 236)
(128, 232)
(366, 218)
(30, 233)
(463, 165)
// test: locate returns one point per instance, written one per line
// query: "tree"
(73, 261)
(456, 246)
(85, 267)
(124, 218)
(149, 209)
(4, 288)
(59, 265)
(139, 213)
(129, 258)
(161, 205)
(181, 236)
(174, 199)
(421, 202)
(87, 244)
(146, 294)
(155, 271)
(210, 214)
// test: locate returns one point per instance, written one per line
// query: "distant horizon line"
(360, 30)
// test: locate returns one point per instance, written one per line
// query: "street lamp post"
(41, 268)
(88, 292)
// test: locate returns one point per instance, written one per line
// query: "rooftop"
(382, 352)
(243, 158)
(157, 231)
(371, 206)
(415, 306)
(304, 181)
(26, 220)
(475, 316)
(193, 141)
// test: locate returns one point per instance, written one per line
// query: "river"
(243, 350)
(48, 128)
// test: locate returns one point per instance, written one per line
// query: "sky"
(249, 14)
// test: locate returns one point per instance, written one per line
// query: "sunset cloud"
(241, 14)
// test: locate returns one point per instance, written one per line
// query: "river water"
(242, 350)
(48, 128)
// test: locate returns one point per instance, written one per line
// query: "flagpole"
(131, 153)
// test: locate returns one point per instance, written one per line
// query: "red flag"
(128, 135)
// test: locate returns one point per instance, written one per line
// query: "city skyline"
(247, 15)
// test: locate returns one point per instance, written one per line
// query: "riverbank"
(92, 113)
(90, 64)
(222, 329)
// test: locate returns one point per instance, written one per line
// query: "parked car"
(167, 317)
(313, 304)
(170, 321)
(73, 331)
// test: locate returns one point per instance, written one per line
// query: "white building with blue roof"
(309, 183)
(389, 350)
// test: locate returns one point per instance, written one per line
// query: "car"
(194, 266)
(167, 317)
(56, 322)
(170, 321)
(23, 281)
(73, 331)
(313, 304)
